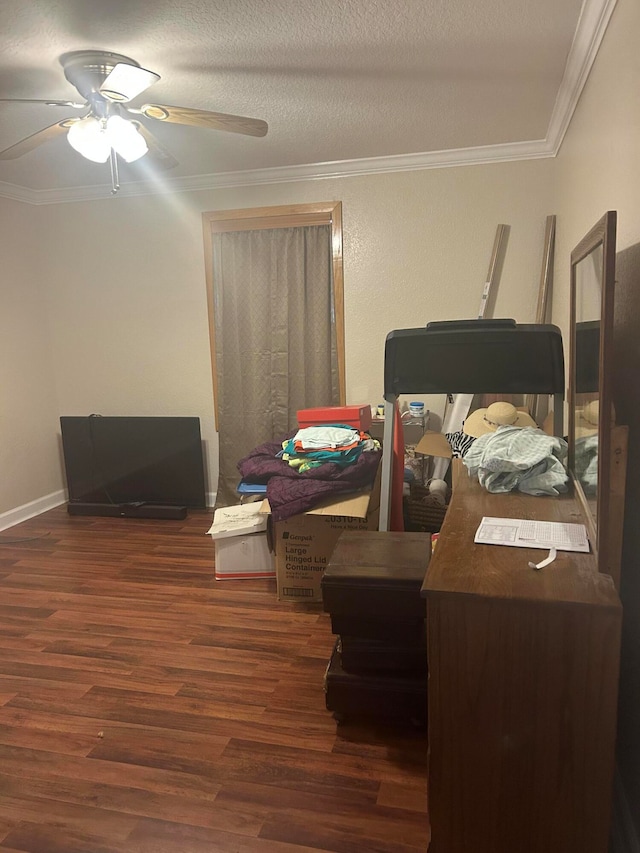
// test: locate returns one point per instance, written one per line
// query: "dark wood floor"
(147, 708)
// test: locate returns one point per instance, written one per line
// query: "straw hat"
(483, 421)
(587, 419)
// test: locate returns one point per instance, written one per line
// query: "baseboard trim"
(29, 510)
(624, 838)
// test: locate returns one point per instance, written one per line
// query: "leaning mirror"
(590, 403)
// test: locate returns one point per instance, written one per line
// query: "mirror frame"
(602, 234)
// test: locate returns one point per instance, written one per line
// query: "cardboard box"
(434, 444)
(304, 543)
(242, 549)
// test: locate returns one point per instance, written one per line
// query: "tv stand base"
(128, 510)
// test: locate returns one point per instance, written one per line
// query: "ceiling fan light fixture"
(123, 137)
(88, 138)
(127, 81)
(107, 81)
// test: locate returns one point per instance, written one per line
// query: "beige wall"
(127, 302)
(125, 297)
(29, 453)
(598, 169)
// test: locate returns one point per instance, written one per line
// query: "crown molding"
(16, 193)
(592, 24)
(313, 171)
(590, 30)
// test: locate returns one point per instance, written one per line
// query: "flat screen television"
(133, 466)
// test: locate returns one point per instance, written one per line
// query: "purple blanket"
(290, 493)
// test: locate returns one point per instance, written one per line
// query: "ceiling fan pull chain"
(115, 181)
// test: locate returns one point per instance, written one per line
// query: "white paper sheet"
(523, 533)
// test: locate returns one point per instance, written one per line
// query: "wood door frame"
(281, 216)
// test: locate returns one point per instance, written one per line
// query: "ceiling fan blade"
(203, 118)
(50, 102)
(126, 82)
(161, 157)
(38, 138)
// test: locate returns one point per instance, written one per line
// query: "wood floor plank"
(339, 838)
(168, 749)
(128, 801)
(307, 763)
(147, 708)
(66, 674)
(400, 796)
(61, 743)
(6, 825)
(155, 836)
(43, 769)
(21, 642)
(42, 689)
(31, 837)
(16, 804)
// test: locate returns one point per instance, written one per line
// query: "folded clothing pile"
(312, 446)
(336, 467)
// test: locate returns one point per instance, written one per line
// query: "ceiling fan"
(108, 126)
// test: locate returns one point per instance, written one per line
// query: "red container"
(355, 416)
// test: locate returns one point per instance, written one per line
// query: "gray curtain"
(275, 338)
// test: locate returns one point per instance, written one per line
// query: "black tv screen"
(131, 460)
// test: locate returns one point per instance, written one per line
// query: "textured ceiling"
(335, 79)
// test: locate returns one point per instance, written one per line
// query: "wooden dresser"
(523, 677)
